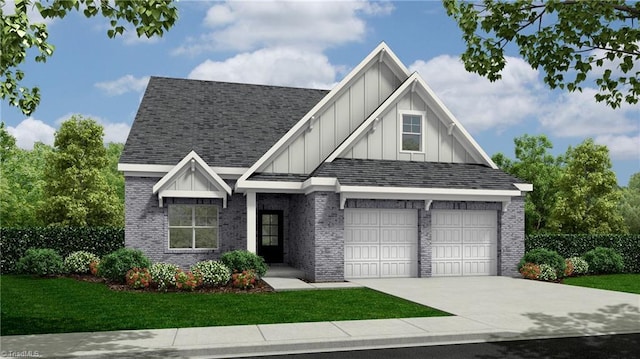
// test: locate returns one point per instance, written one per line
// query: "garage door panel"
(380, 242)
(447, 252)
(362, 270)
(453, 268)
(361, 253)
(447, 235)
(468, 249)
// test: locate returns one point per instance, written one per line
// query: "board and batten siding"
(188, 180)
(383, 143)
(336, 121)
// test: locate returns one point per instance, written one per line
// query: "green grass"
(618, 282)
(61, 305)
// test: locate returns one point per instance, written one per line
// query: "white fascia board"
(147, 170)
(524, 187)
(192, 194)
(440, 107)
(317, 184)
(364, 127)
(213, 177)
(269, 186)
(430, 192)
(301, 125)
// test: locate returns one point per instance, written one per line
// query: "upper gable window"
(412, 132)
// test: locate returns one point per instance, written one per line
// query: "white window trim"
(423, 115)
(193, 227)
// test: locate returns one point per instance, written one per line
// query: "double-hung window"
(193, 226)
(411, 132)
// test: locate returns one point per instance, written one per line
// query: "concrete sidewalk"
(486, 309)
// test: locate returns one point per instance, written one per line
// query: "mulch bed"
(260, 286)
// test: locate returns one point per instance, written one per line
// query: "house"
(375, 178)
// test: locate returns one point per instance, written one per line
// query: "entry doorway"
(270, 235)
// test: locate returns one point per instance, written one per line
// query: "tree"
(568, 39)
(19, 35)
(588, 193)
(115, 178)
(536, 166)
(21, 182)
(630, 204)
(76, 192)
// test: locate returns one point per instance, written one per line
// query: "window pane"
(179, 215)
(266, 219)
(410, 142)
(406, 127)
(206, 238)
(180, 237)
(269, 240)
(206, 216)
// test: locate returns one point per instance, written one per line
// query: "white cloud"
(30, 131)
(273, 66)
(246, 26)
(621, 147)
(124, 84)
(478, 103)
(577, 114)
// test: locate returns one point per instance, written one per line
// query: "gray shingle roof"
(227, 124)
(383, 173)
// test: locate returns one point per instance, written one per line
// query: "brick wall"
(329, 237)
(146, 224)
(302, 234)
(511, 245)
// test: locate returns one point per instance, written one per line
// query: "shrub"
(187, 280)
(530, 271)
(43, 261)
(163, 275)
(241, 260)
(115, 266)
(138, 278)
(213, 273)
(604, 260)
(93, 266)
(572, 245)
(548, 273)
(244, 280)
(78, 262)
(64, 240)
(580, 266)
(544, 256)
(568, 270)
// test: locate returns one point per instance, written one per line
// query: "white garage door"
(464, 243)
(380, 243)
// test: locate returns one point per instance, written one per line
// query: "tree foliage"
(630, 204)
(536, 166)
(569, 40)
(588, 193)
(76, 192)
(20, 36)
(21, 182)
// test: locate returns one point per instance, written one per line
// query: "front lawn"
(61, 305)
(618, 282)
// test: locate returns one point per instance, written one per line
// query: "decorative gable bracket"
(192, 178)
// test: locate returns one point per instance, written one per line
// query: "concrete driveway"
(526, 307)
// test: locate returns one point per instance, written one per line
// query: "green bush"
(41, 262)
(573, 245)
(115, 266)
(580, 266)
(213, 273)
(241, 260)
(78, 262)
(544, 256)
(64, 240)
(604, 260)
(163, 275)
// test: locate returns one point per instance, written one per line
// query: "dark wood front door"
(270, 236)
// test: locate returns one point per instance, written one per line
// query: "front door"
(270, 236)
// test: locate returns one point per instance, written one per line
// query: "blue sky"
(309, 44)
